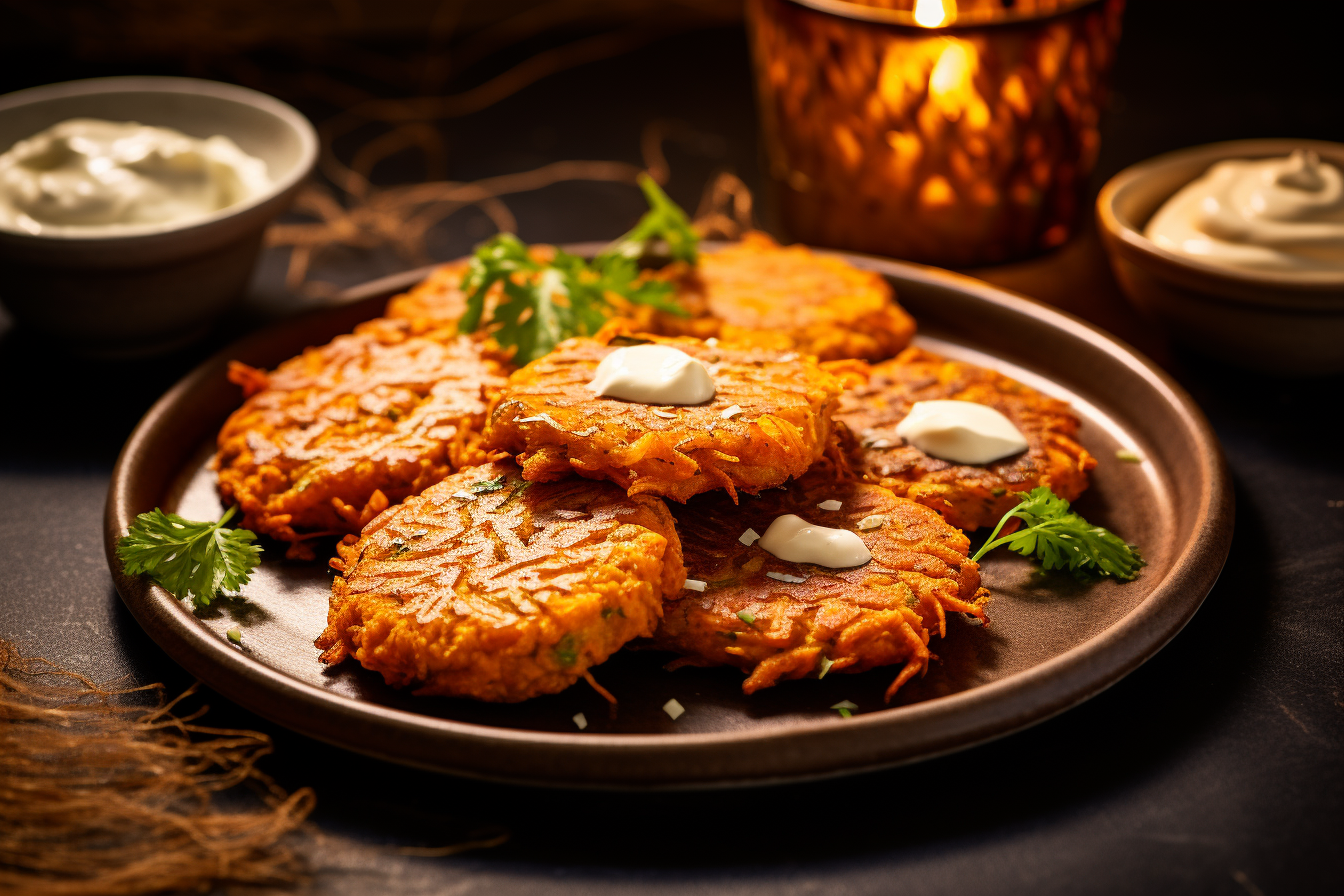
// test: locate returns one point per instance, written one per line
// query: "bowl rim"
(1132, 238)
(297, 122)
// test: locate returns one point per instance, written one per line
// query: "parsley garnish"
(746, 616)
(188, 558)
(1061, 539)
(485, 486)
(545, 302)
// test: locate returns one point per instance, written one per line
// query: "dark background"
(1214, 768)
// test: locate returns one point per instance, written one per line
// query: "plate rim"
(1055, 684)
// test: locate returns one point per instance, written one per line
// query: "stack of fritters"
(329, 439)
(781, 620)
(818, 304)
(968, 496)
(493, 587)
(503, 581)
(769, 420)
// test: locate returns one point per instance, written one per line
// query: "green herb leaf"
(542, 303)
(189, 558)
(485, 486)
(826, 664)
(567, 651)
(746, 616)
(664, 221)
(1061, 539)
(235, 635)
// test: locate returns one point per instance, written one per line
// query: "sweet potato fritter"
(437, 301)
(491, 587)
(329, 439)
(878, 614)
(967, 496)
(823, 305)
(557, 426)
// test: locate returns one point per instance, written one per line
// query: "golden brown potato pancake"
(438, 300)
(492, 587)
(556, 426)
(878, 614)
(825, 306)
(330, 438)
(967, 496)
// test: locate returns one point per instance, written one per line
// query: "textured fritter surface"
(825, 306)
(967, 496)
(878, 614)
(332, 437)
(438, 300)
(556, 426)
(492, 587)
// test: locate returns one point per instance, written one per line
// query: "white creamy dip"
(962, 432)
(794, 539)
(1283, 214)
(86, 175)
(653, 374)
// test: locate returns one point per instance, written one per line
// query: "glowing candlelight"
(933, 13)
(962, 146)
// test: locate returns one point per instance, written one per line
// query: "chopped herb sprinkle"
(746, 616)
(825, 666)
(730, 412)
(580, 721)
(785, 577)
(749, 537)
(235, 635)
(1128, 456)
(695, 585)
(674, 709)
(876, 521)
(830, 505)
(486, 486)
(845, 708)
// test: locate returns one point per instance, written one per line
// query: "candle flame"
(933, 13)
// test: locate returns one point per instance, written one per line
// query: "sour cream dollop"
(1282, 214)
(89, 175)
(794, 539)
(962, 432)
(653, 374)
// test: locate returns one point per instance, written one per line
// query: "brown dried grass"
(104, 793)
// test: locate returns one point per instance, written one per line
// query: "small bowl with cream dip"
(132, 209)
(1238, 248)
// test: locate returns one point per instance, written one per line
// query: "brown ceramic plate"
(1053, 643)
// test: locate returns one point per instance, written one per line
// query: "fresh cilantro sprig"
(189, 558)
(545, 302)
(1061, 539)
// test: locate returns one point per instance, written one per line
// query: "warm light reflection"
(933, 13)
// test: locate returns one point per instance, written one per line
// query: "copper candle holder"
(953, 133)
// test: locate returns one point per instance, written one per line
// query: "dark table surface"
(1214, 768)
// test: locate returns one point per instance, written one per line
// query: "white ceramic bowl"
(148, 291)
(1278, 323)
